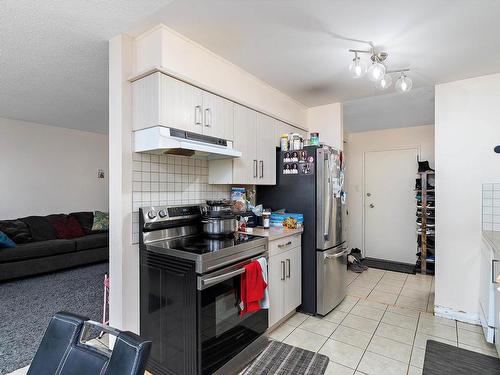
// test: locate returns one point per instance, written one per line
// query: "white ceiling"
(53, 54)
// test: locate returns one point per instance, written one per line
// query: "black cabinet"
(168, 313)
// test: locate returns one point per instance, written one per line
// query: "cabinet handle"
(288, 266)
(284, 244)
(282, 270)
(254, 168)
(208, 117)
(197, 115)
(261, 169)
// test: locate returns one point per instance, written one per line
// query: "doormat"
(389, 265)
(444, 359)
(283, 359)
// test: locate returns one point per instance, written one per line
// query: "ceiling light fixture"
(357, 67)
(404, 83)
(377, 71)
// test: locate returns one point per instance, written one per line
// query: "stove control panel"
(158, 214)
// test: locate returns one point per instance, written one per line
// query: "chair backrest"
(62, 352)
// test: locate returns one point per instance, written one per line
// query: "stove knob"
(151, 214)
(162, 213)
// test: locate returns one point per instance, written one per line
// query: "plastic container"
(314, 139)
(266, 219)
(284, 142)
(295, 142)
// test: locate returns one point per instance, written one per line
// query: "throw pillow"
(101, 221)
(74, 227)
(6, 242)
(16, 230)
(86, 219)
(61, 228)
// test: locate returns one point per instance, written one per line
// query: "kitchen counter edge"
(274, 234)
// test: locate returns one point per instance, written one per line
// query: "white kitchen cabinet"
(285, 279)
(218, 116)
(159, 99)
(254, 138)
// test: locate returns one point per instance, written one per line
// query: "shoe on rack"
(418, 184)
(423, 166)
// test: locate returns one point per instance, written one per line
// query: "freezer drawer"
(331, 278)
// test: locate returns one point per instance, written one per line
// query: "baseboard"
(389, 265)
(462, 316)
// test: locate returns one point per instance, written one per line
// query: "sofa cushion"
(40, 227)
(92, 241)
(16, 230)
(39, 249)
(68, 228)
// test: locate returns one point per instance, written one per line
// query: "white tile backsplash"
(491, 207)
(170, 180)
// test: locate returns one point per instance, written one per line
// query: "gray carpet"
(443, 359)
(27, 305)
(283, 359)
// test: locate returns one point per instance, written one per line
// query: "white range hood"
(163, 140)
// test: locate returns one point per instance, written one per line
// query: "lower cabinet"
(285, 282)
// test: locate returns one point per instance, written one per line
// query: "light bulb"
(384, 83)
(376, 71)
(357, 67)
(404, 83)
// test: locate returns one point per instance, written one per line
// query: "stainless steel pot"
(219, 226)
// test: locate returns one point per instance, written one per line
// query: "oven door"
(223, 333)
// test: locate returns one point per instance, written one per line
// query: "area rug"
(27, 305)
(444, 359)
(283, 359)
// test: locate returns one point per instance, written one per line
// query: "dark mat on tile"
(444, 359)
(389, 265)
(283, 359)
(27, 305)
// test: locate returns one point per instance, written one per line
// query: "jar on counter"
(266, 219)
(284, 142)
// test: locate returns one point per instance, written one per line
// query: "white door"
(390, 229)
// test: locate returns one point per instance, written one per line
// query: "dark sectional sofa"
(39, 250)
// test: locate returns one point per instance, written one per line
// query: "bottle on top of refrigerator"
(284, 142)
(295, 141)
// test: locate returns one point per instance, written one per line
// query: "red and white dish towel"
(254, 294)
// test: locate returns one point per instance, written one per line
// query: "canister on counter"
(266, 219)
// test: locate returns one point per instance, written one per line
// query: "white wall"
(327, 120)
(467, 129)
(47, 169)
(165, 48)
(357, 144)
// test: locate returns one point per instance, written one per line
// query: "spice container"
(266, 219)
(284, 142)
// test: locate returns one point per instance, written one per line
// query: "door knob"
(371, 205)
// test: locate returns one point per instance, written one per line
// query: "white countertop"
(274, 233)
(493, 238)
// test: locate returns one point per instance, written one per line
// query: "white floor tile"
(297, 319)
(319, 326)
(375, 305)
(438, 330)
(305, 340)
(367, 312)
(347, 304)
(483, 350)
(390, 348)
(359, 323)
(412, 370)
(337, 369)
(395, 333)
(473, 339)
(357, 291)
(469, 327)
(417, 357)
(335, 316)
(280, 333)
(400, 320)
(352, 336)
(342, 353)
(383, 297)
(375, 364)
(421, 340)
(403, 311)
(414, 303)
(431, 318)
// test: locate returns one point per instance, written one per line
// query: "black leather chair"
(63, 351)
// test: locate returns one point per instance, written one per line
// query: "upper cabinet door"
(245, 168)
(218, 116)
(266, 150)
(181, 105)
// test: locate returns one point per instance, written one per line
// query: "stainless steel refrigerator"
(310, 181)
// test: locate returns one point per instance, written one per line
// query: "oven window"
(224, 333)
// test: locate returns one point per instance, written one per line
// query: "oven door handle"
(218, 279)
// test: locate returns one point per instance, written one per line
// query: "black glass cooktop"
(202, 244)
